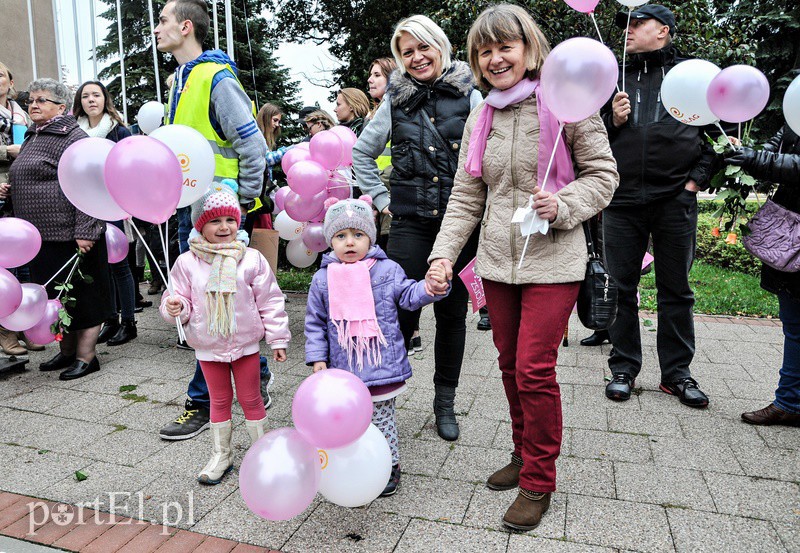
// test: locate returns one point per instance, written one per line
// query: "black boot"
(126, 333)
(446, 423)
(110, 328)
(599, 338)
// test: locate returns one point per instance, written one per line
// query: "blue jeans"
(787, 396)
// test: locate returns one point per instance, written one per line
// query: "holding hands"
(438, 277)
(4, 189)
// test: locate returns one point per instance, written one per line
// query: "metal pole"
(33, 41)
(122, 65)
(58, 41)
(229, 29)
(155, 53)
(77, 40)
(216, 24)
(94, 39)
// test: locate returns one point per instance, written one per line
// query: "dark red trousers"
(528, 322)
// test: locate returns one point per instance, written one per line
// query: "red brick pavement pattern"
(90, 531)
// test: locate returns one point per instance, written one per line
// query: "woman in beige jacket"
(529, 298)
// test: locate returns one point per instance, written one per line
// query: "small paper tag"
(520, 213)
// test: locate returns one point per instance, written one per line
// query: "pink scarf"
(352, 311)
(562, 172)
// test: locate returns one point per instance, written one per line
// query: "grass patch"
(718, 291)
(128, 388)
(295, 280)
(134, 398)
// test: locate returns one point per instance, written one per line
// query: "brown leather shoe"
(770, 415)
(507, 478)
(527, 510)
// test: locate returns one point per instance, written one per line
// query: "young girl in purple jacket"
(351, 316)
(228, 300)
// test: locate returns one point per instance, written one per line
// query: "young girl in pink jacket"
(227, 299)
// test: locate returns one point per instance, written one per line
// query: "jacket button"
(435, 179)
(433, 119)
(431, 148)
(435, 212)
(455, 145)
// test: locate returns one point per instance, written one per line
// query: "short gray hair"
(426, 31)
(60, 92)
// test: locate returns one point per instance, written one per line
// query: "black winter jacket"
(656, 154)
(779, 162)
(425, 162)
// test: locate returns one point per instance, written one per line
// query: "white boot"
(255, 429)
(222, 459)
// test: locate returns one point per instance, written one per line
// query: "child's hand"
(436, 279)
(279, 355)
(320, 366)
(174, 306)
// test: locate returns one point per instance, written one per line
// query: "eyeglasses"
(44, 101)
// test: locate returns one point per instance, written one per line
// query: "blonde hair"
(264, 122)
(504, 23)
(426, 31)
(322, 117)
(12, 92)
(357, 100)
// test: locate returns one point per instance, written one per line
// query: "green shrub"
(715, 251)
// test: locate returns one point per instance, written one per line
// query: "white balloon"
(356, 474)
(299, 255)
(150, 116)
(196, 157)
(791, 105)
(683, 92)
(287, 228)
(633, 3)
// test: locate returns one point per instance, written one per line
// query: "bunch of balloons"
(315, 171)
(333, 449)
(23, 307)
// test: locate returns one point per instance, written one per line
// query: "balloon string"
(599, 36)
(71, 259)
(69, 277)
(735, 148)
(625, 48)
(181, 335)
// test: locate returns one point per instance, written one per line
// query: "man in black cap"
(662, 165)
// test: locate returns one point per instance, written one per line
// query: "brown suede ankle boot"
(527, 510)
(507, 478)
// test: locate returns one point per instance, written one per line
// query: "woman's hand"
(174, 306)
(386, 211)
(85, 245)
(320, 366)
(545, 204)
(12, 150)
(437, 277)
(279, 355)
(5, 188)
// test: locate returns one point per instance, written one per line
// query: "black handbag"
(597, 299)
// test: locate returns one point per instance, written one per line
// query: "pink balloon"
(80, 175)
(302, 146)
(337, 186)
(319, 217)
(327, 149)
(314, 237)
(280, 475)
(332, 408)
(738, 93)
(144, 177)
(280, 197)
(31, 309)
(40, 332)
(303, 208)
(20, 241)
(349, 140)
(10, 293)
(307, 178)
(583, 6)
(578, 77)
(293, 156)
(116, 244)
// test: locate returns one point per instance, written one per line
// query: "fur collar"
(457, 80)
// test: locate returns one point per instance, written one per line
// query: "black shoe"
(687, 391)
(60, 361)
(141, 304)
(266, 384)
(446, 423)
(110, 328)
(126, 333)
(484, 323)
(194, 420)
(416, 343)
(180, 344)
(155, 287)
(619, 389)
(394, 481)
(80, 369)
(599, 338)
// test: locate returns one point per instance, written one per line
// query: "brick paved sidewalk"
(646, 475)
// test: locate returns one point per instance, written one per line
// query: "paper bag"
(266, 241)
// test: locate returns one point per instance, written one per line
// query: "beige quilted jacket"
(509, 175)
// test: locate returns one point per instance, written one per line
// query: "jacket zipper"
(514, 194)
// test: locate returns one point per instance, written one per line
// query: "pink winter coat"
(259, 308)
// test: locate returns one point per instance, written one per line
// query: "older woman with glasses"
(37, 197)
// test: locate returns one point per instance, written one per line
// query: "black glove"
(743, 157)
